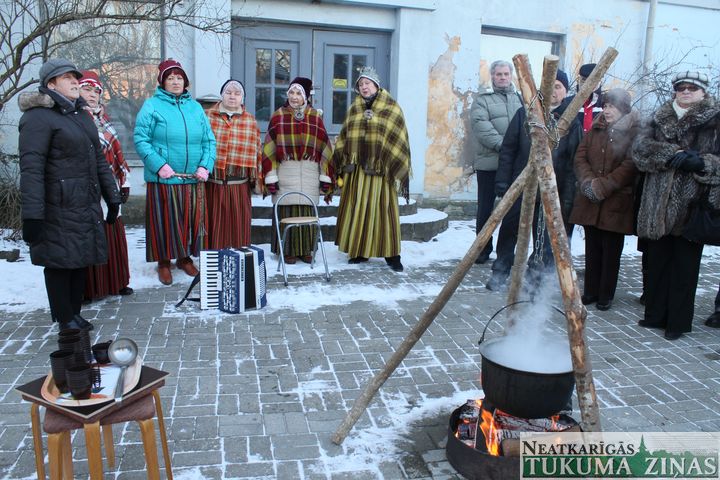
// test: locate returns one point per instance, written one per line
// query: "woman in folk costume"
(296, 157)
(113, 277)
(175, 142)
(236, 169)
(373, 154)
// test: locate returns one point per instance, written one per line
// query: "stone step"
(419, 225)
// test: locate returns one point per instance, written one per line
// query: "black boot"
(72, 323)
(713, 321)
(84, 324)
(394, 263)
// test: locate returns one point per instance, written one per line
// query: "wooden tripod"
(538, 172)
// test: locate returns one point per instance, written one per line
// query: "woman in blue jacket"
(177, 146)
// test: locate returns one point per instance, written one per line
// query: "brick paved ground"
(258, 395)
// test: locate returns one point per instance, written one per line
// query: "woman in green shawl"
(372, 153)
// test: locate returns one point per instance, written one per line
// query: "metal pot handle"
(482, 337)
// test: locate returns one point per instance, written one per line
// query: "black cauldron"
(521, 393)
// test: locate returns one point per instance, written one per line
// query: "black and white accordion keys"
(233, 280)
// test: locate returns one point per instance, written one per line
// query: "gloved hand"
(272, 188)
(166, 171)
(692, 163)
(587, 190)
(113, 210)
(326, 187)
(124, 194)
(202, 174)
(32, 230)
(500, 189)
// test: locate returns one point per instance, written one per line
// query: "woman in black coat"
(62, 174)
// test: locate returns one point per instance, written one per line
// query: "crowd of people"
(200, 170)
(615, 176)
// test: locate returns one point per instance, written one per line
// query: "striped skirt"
(109, 278)
(300, 240)
(368, 222)
(175, 221)
(230, 214)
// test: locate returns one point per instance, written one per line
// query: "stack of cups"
(71, 364)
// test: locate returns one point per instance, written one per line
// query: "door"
(269, 67)
(338, 58)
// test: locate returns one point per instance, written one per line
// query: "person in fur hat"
(680, 157)
(63, 173)
(604, 200)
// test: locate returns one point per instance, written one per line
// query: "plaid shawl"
(111, 146)
(291, 139)
(378, 145)
(238, 144)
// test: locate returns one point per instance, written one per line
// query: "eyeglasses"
(689, 88)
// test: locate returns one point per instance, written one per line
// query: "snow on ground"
(24, 287)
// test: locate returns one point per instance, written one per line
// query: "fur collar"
(28, 100)
(698, 114)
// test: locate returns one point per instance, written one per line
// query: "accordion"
(232, 280)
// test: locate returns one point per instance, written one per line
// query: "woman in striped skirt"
(296, 157)
(113, 277)
(372, 153)
(175, 142)
(236, 169)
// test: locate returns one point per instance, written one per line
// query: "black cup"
(59, 361)
(100, 352)
(79, 381)
(84, 341)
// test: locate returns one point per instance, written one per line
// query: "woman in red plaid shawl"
(373, 154)
(236, 169)
(296, 157)
(113, 277)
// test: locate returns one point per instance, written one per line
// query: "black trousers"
(673, 269)
(485, 202)
(65, 288)
(507, 239)
(602, 262)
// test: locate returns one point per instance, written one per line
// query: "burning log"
(574, 310)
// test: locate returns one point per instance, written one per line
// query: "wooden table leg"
(94, 450)
(147, 429)
(55, 456)
(109, 445)
(163, 434)
(67, 465)
(37, 441)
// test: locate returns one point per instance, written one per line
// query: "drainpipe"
(647, 54)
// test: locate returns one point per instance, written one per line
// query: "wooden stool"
(59, 426)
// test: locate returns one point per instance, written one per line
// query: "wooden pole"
(574, 309)
(527, 209)
(435, 307)
(587, 88)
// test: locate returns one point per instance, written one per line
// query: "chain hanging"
(550, 126)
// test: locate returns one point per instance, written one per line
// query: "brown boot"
(187, 266)
(164, 272)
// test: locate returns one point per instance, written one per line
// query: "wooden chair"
(59, 426)
(288, 223)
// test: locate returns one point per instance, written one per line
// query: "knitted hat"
(56, 67)
(371, 74)
(305, 84)
(236, 83)
(171, 66)
(586, 70)
(91, 78)
(618, 98)
(562, 78)
(696, 78)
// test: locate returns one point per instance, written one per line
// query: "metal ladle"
(122, 352)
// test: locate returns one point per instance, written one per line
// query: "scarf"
(110, 144)
(238, 143)
(376, 141)
(289, 138)
(679, 111)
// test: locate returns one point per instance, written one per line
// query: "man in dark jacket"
(514, 156)
(62, 174)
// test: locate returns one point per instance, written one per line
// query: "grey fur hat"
(56, 67)
(371, 74)
(696, 78)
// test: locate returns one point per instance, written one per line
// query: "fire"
(489, 430)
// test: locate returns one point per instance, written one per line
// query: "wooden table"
(150, 381)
